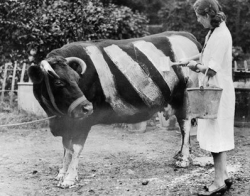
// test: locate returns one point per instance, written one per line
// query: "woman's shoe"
(220, 190)
(229, 182)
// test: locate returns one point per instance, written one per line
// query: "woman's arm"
(185, 61)
(198, 67)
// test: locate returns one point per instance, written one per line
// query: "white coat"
(218, 135)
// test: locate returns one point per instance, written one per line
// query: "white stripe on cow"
(141, 82)
(158, 58)
(108, 84)
(184, 48)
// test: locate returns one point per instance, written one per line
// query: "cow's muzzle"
(80, 108)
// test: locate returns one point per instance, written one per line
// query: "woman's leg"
(225, 173)
(220, 168)
(218, 185)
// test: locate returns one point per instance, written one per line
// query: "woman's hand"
(192, 65)
(183, 61)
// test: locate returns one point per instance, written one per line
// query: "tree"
(14, 27)
(238, 12)
(179, 15)
(149, 7)
(40, 26)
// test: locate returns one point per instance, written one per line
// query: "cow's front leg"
(183, 159)
(71, 176)
(67, 157)
(75, 148)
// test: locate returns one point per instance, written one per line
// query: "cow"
(113, 81)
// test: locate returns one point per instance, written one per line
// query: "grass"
(11, 115)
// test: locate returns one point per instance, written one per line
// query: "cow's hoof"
(60, 176)
(178, 156)
(67, 184)
(182, 163)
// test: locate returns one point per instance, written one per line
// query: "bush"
(37, 27)
(179, 15)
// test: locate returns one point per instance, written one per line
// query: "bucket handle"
(203, 80)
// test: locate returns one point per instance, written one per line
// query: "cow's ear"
(36, 74)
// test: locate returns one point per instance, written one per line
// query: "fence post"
(13, 84)
(235, 66)
(4, 81)
(245, 66)
(23, 72)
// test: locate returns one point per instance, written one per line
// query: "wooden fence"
(243, 67)
(9, 73)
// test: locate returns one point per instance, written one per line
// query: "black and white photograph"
(125, 97)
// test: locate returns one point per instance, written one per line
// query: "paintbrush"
(166, 63)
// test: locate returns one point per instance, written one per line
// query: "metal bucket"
(204, 102)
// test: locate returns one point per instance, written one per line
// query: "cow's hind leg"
(75, 147)
(167, 112)
(183, 157)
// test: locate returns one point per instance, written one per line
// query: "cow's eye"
(58, 83)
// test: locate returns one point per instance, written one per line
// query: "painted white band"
(141, 82)
(154, 55)
(108, 84)
(159, 60)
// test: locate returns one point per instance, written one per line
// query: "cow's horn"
(45, 64)
(79, 61)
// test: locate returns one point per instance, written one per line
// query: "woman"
(216, 136)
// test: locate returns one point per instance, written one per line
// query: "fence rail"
(245, 67)
(9, 75)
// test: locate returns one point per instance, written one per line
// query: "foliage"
(37, 27)
(149, 7)
(13, 25)
(238, 12)
(238, 54)
(179, 15)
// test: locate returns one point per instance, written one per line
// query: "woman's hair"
(212, 8)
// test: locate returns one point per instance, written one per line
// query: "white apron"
(218, 135)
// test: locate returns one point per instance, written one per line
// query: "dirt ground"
(115, 161)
